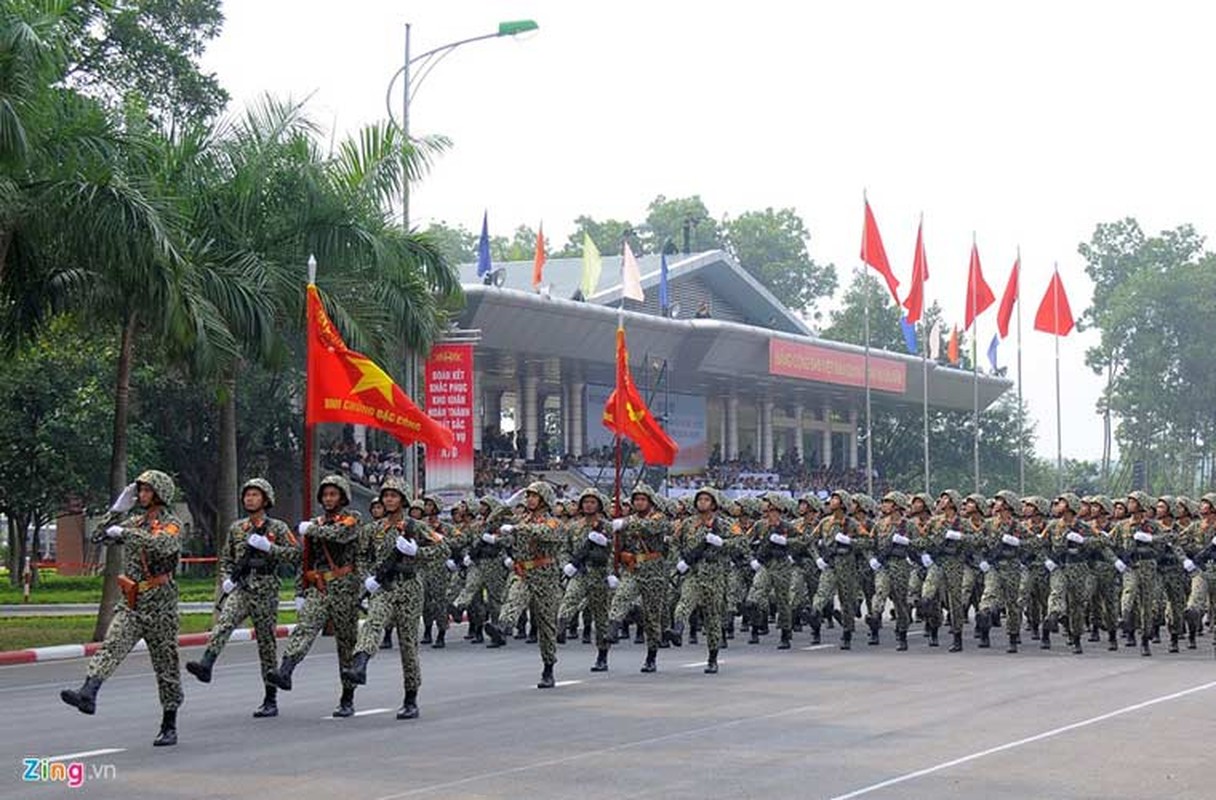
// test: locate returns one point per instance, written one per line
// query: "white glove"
(506, 528)
(713, 539)
(258, 542)
(777, 538)
(489, 538)
(985, 566)
(299, 604)
(1119, 565)
(114, 532)
(899, 538)
(953, 535)
(1214, 540)
(926, 560)
(467, 560)
(755, 565)
(406, 547)
(1141, 536)
(304, 526)
(508, 562)
(1011, 540)
(227, 586)
(613, 581)
(451, 565)
(126, 500)
(617, 524)
(1189, 565)
(595, 537)
(875, 564)
(843, 539)
(371, 584)
(681, 566)
(1051, 565)
(569, 570)
(1074, 537)
(819, 562)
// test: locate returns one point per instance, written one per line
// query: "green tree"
(666, 220)
(607, 236)
(457, 243)
(772, 246)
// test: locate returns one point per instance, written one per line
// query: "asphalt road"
(805, 723)
(70, 609)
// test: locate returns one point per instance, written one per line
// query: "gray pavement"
(72, 609)
(805, 723)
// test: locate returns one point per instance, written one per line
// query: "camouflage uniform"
(1070, 547)
(1199, 543)
(835, 546)
(704, 565)
(805, 580)
(892, 567)
(485, 582)
(1104, 599)
(951, 549)
(643, 541)
(148, 610)
(1171, 576)
(773, 566)
(1034, 577)
(591, 564)
(1006, 550)
(1136, 547)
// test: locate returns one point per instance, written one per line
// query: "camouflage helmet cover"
(1008, 498)
(1103, 502)
(394, 483)
(713, 494)
(263, 486)
(1039, 504)
(1071, 500)
(954, 497)
(900, 500)
(544, 491)
(338, 482)
(160, 483)
(812, 500)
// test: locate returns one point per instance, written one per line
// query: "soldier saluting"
(257, 545)
(149, 607)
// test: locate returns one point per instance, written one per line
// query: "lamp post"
(427, 62)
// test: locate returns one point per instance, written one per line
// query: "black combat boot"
(440, 639)
(1045, 639)
(754, 638)
(786, 635)
(711, 666)
(387, 642)
(357, 671)
(426, 635)
(201, 669)
(84, 698)
(346, 703)
(1076, 645)
(983, 624)
(1094, 636)
(1112, 641)
(282, 677)
(601, 661)
(1013, 643)
(409, 706)
(815, 621)
(957, 645)
(497, 639)
(651, 654)
(846, 640)
(586, 631)
(561, 631)
(1173, 642)
(168, 730)
(875, 624)
(614, 631)
(521, 629)
(478, 637)
(675, 634)
(270, 703)
(546, 678)
(1157, 633)
(901, 640)
(639, 634)
(933, 635)
(728, 632)
(1144, 648)
(694, 624)
(531, 638)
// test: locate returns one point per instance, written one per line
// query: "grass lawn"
(18, 633)
(55, 588)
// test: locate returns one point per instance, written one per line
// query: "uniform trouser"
(1202, 591)
(259, 602)
(773, 580)
(590, 587)
(540, 593)
(945, 582)
(916, 583)
(155, 620)
(456, 585)
(485, 582)
(738, 587)
(1034, 584)
(647, 583)
(704, 588)
(803, 585)
(435, 578)
(1173, 580)
(1139, 594)
(1104, 601)
(339, 604)
(866, 587)
(1069, 591)
(839, 580)
(891, 583)
(399, 607)
(1003, 591)
(973, 587)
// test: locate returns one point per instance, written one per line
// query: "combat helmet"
(263, 486)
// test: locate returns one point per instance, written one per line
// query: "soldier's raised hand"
(126, 499)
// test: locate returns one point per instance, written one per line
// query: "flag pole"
(869, 429)
(310, 431)
(1021, 410)
(924, 364)
(1055, 302)
(620, 324)
(975, 373)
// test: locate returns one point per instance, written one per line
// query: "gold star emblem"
(372, 377)
(635, 415)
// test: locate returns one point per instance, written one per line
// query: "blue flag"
(483, 247)
(992, 351)
(909, 335)
(663, 283)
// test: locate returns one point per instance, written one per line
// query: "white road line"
(599, 752)
(1028, 740)
(567, 683)
(365, 713)
(817, 647)
(105, 751)
(701, 663)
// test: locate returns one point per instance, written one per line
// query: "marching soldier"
(256, 547)
(1005, 552)
(833, 543)
(773, 567)
(643, 536)
(328, 588)
(892, 567)
(152, 544)
(590, 570)
(1137, 544)
(1105, 597)
(1199, 541)
(805, 582)
(1070, 543)
(485, 583)
(950, 550)
(436, 577)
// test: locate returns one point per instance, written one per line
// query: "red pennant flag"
(952, 348)
(979, 294)
(538, 263)
(626, 413)
(345, 386)
(1005, 311)
(1054, 314)
(874, 254)
(915, 302)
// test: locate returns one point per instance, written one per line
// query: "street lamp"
(427, 62)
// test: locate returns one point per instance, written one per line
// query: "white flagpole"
(1021, 411)
(869, 430)
(1055, 302)
(975, 374)
(924, 364)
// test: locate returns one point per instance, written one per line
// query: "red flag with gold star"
(345, 386)
(626, 413)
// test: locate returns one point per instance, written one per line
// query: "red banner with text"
(449, 401)
(812, 363)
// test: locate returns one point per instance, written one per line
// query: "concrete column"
(799, 447)
(479, 406)
(576, 417)
(531, 413)
(732, 428)
(758, 447)
(492, 417)
(766, 434)
(853, 438)
(827, 434)
(722, 428)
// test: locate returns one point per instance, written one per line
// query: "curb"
(66, 651)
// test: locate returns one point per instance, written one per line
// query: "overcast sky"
(1027, 123)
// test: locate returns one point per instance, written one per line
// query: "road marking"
(567, 683)
(1028, 740)
(105, 751)
(365, 713)
(701, 663)
(817, 647)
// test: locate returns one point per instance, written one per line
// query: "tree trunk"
(118, 474)
(20, 523)
(36, 550)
